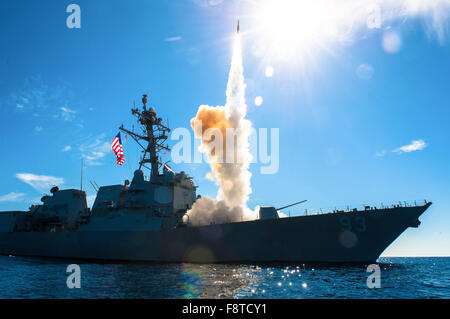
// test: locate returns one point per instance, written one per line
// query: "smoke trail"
(224, 132)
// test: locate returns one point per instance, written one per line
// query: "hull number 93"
(357, 224)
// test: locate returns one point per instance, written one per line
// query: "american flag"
(117, 148)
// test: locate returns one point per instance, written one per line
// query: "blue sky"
(344, 108)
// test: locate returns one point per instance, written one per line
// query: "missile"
(237, 29)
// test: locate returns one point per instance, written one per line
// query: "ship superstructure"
(156, 203)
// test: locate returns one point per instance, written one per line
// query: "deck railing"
(351, 208)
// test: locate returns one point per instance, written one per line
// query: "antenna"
(96, 190)
(153, 133)
(81, 174)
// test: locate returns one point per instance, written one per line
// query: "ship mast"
(153, 132)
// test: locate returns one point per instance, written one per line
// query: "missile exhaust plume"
(232, 176)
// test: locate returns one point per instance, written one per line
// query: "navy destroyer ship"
(145, 220)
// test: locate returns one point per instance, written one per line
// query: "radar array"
(154, 133)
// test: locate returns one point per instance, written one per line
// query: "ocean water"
(26, 277)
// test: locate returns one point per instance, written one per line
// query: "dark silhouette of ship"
(143, 221)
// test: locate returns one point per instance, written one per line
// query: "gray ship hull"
(336, 237)
(347, 237)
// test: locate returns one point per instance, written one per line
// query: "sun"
(294, 28)
(289, 24)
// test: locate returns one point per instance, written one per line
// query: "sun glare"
(292, 27)
(302, 28)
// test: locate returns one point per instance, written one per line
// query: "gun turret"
(291, 205)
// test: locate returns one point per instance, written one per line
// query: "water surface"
(27, 277)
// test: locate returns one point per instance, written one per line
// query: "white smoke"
(229, 157)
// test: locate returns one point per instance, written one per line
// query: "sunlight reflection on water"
(22, 277)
